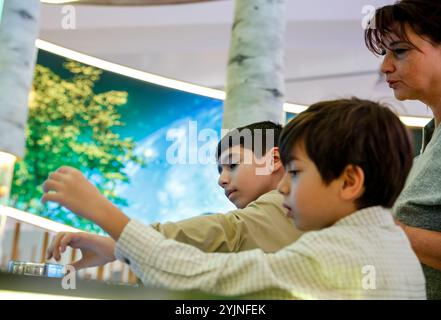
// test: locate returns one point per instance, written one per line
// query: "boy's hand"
(68, 187)
(95, 250)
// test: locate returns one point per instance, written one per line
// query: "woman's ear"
(352, 183)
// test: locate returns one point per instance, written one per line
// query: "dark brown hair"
(356, 132)
(423, 16)
(262, 135)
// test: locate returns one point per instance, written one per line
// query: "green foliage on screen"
(69, 124)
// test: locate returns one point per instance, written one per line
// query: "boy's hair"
(423, 16)
(258, 137)
(356, 132)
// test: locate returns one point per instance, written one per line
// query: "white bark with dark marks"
(255, 80)
(18, 32)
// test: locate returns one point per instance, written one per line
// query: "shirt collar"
(377, 216)
(428, 131)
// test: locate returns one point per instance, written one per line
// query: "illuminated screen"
(82, 116)
(67, 126)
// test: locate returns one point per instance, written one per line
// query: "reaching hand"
(95, 250)
(68, 187)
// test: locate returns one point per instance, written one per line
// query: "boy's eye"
(294, 173)
(229, 167)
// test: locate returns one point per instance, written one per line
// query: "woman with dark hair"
(408, 34)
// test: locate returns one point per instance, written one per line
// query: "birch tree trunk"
(255, 78)
(1, 9)
(18, 32)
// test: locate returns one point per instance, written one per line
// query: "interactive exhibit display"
(121, 132)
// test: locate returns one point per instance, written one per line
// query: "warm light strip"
(36, 220)
(417, 122)
(6, 159)
(16, 295)
(58, 1)
(129, 72)
(175, 84)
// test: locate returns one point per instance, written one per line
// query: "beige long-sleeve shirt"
(262, 224)
(363, 256)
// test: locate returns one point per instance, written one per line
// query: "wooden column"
(44, 247)
(15, 242)
(100, 273)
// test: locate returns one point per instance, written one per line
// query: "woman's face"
(413, 74)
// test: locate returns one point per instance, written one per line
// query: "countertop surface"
(29, 287)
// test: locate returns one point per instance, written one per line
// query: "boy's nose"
(224, 179)
(284, 186)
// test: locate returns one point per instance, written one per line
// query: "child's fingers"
(54, 245)
(57, 176)
(65, 170)
(52, 197)
(58, 245)
(56, 251)
(50, 249)
(51, 185)
(65, 241)
(49, 253)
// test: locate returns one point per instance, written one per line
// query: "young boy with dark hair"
(249, 172)
(346, 162)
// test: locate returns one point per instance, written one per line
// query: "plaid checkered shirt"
(363, 256)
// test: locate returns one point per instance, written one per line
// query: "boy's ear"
(352, 183)
(274, 153)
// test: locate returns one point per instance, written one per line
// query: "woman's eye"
(233, 166)
(399, 52)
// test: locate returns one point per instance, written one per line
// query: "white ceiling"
(325, 52)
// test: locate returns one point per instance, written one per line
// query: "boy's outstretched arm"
(69, 188)
(177, 266)
(238, 230)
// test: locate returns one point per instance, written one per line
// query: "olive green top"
(419, 204)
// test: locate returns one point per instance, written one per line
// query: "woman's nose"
(388, 65)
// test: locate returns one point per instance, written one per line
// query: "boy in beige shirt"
(241, 155)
